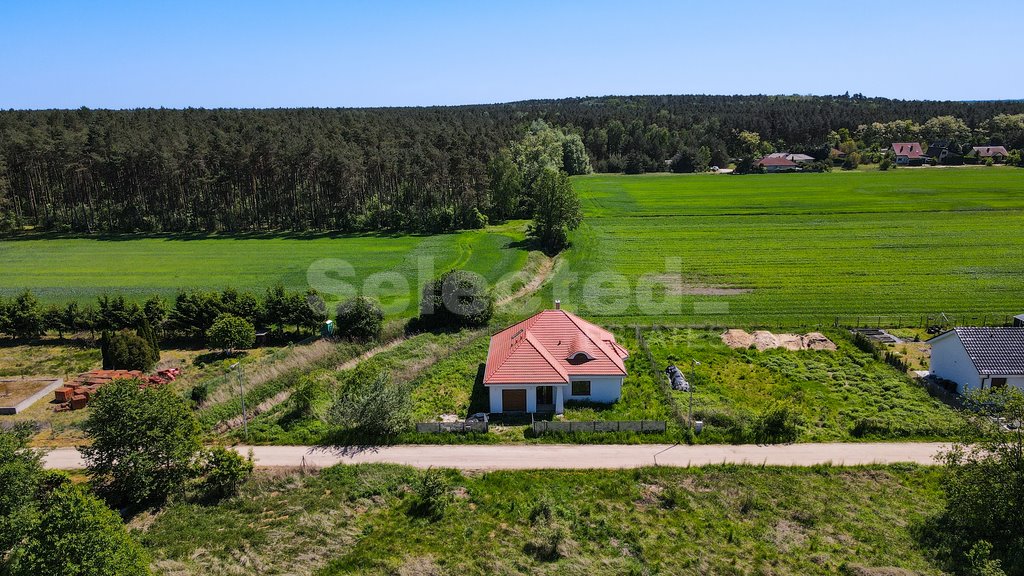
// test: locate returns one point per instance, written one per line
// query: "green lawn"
(801, 249)
(60, 269)
(842, 395)
(715, 520)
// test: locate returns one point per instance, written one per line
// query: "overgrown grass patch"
(713, 520)
(841, 395)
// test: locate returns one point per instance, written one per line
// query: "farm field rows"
(61, 269)
(801, 249)
(363, 519)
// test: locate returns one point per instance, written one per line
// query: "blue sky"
(143, 53)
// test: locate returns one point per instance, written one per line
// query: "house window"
(999, 382)
(581, 388)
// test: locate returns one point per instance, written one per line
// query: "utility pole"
(241, 394)
(693, 380)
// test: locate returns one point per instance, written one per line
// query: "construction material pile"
(677, 379)
(763, 340)
(76, 393)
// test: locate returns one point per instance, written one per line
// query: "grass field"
(842, 395)
(801, 249)
(60, 269)
(715, 520)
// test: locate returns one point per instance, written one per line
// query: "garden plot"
(764, 340)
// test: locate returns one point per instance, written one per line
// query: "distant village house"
(979, 358)
(908, 153)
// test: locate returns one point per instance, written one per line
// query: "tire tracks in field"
(541, 275)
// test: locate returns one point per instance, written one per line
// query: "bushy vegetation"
(360, 319)
(983, 523)
(43, 516)
(144, 443)
(230, 332)
(372, 408)
(457, 299)
(126, 350)
(712, 520)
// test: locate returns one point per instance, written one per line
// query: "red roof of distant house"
(548, 347)
(776, 161)
(908, 149)
(989, 151)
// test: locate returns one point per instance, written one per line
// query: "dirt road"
(539, 456)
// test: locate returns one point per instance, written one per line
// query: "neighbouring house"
(908, 153)
(1018, 320)
(996, 153)
(550, 358)
(944, 152)
(775, 163)
(978, 358)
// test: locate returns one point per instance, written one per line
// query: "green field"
(713, 520)
(842, 395)
(801, 249)
(60, 269)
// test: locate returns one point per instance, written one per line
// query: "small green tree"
(20, 472)
(455, 300)
(144, 442)
(77, 535)
(223, 472)
(575, 159)
(229, 333)
(126, 350)
(360, 319)
(373, 406)
(557, 210)
(25, 316)
(984, 481)
(43, 516)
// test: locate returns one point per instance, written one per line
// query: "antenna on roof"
(517, 334)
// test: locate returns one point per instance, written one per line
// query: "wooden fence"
(544, 426)
(450, 427)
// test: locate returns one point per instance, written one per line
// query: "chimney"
(558, 304)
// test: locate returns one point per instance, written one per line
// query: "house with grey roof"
(979, 358)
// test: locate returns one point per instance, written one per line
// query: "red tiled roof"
(989, 151)
(775, 161)
(908, 149)
(538, 350)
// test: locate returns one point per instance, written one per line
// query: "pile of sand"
(763, 340)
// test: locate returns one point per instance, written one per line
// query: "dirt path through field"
(541, 276)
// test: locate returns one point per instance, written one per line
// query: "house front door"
(545, 398)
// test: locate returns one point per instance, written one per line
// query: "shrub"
(223, 472)
(885, 164)
(200, 392)
(76, 534)
(126, 350)
(457, 299)
(360, 319)
(374, 407)
(433, 495)
(230, 332)
(778, 424)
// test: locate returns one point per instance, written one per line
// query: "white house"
(976, 358)
(552, 357)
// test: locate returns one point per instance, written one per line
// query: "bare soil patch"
(763, 340)
(678, 286)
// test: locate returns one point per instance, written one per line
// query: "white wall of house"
(951, 362)
(606, 389)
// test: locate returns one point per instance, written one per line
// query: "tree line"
(425, 169)
(190, 316)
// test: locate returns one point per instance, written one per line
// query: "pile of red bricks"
(76, 393)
